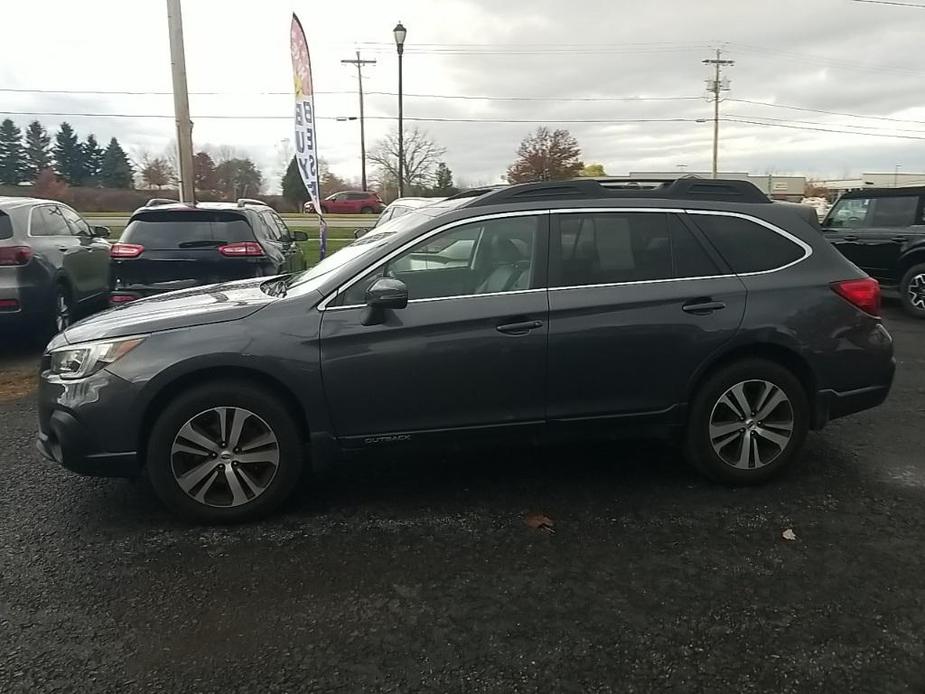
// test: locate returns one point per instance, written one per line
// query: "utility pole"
(181, 102)
(360, 63)
(716, 85)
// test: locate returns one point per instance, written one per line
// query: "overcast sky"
(832, 55)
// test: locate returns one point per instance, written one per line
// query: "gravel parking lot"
(422, 575)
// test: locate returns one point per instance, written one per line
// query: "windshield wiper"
(200, 244)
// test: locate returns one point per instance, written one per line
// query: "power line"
(829, 113)
(829, 125)
(892, 2)
(821, 130)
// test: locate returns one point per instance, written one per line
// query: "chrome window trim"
(807, 251)
(323, 306)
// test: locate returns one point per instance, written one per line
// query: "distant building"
(890, 179)
(789, 188)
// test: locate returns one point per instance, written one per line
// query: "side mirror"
(101, 232)
(299, 236)
(384, 293)
(362, 231)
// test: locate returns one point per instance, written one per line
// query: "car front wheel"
(747, 422)
(224, 453)
(912, 291)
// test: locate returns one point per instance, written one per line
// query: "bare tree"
(421, 156)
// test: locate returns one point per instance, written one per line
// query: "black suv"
(882, 231)
(694, 309)
(169, 245)
(53, 266)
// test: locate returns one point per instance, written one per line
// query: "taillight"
(117, 299)
(15, 255)
(9, 305)
(126, 250)
(863, 293)
(244, 249)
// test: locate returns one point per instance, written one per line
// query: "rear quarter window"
(164, 230)
(6, 226)
(747, 246)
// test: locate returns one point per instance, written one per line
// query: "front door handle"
(899, 239)
(703, 307)
(849, 238)
(520, 327)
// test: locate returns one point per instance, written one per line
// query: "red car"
(349, 202)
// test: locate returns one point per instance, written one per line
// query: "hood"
(214, 303)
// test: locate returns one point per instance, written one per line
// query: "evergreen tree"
(204, 172)
(38, 155)
(444, 181)
(93, 158)
(12, 154)
(294, 190)
(115, 169)
(69, 156)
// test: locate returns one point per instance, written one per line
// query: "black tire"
(188, 405)
(698, 447)
(913, 283)
(366, 210)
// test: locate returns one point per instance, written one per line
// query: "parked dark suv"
(696, 309)
(169, 245)
(53, 266)
(882, 231)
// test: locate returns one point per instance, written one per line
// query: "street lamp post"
(400, 32)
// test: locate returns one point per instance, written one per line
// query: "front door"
(636, 305)
(96, 253)
(468, 351)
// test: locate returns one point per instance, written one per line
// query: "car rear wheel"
(747, 422)
(224, 453)
(366, 210)
(912, 291)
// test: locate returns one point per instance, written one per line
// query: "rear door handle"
(899, 239)
(703, 306)
(519, 328)
(849, 238)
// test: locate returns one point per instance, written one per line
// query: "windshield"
(368, 244)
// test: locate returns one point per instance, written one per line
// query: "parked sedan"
(168, 245)
(537, 312)
(53, 266)
(349, 202)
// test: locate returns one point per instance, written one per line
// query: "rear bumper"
(832, 404)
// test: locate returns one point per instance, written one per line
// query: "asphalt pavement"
(422, 574)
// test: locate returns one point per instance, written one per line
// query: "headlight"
(82, 360)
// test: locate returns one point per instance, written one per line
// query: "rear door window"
(166, 230)
(48, 220)
(612, 248)
(745, 245)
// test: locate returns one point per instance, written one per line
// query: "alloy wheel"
(751, 424)
(916, 292)
(224, 457)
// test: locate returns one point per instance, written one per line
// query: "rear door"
(97, 251)
(185, 245)
(636, 303)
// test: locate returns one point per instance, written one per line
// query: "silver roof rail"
(249, 201)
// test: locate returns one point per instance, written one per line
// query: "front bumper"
(89, 426)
